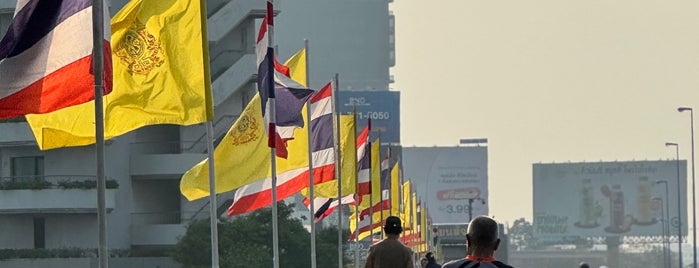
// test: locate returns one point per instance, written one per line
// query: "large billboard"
(453, 181)
(382, 107)
(608, 198)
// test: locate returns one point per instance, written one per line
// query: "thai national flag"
(46, 57)
(364, 163)
(276, 87)
(385, 202)
(324, 206)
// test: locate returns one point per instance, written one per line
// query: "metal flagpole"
(338, 168)
(311, 184)
(213, 205)
(356, 199)
(271, 105)
(98, 67)
(371, 194)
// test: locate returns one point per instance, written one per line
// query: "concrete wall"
(16, 232)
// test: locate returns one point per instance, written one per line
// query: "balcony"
(156, 228)
(52, 194)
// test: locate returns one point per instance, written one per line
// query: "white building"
(146, 211)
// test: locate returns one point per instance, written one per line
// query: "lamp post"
(679, 201)
(470, 206)
(666, 223)
(694, 204)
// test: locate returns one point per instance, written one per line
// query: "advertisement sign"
(382, 107)
(453, 181)
(609, 198)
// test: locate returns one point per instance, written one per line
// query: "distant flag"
(324, 206)
(46, 57)
(258, 194)
(297, 67)
(364, 162)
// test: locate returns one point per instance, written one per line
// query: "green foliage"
(57, 253)
(41, 184)
(86, 184)
(247, 242)
(25, 185)
(521, 236)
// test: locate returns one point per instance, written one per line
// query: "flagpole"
(356, 200)
(213, 205)
(338, 167)
(98, 67)
(271, 105)
(381, 208)
(371, 193)
(311, 184)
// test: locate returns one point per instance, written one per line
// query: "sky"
(547, 81)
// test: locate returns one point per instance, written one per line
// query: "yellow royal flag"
(161, 76)
(348, 158)
(297, 67)
(405, 214)
(243, 157)
(376, 172)
(413, 220)
(395, 184)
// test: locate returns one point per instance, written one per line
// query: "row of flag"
(158, 73)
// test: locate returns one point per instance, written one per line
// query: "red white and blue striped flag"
(46, 57)
(276, 87)
(364, 162)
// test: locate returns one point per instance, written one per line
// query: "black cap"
(392, 222)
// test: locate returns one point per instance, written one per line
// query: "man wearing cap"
(390, 252)
(482, 241)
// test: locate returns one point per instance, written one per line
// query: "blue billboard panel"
(382, 107)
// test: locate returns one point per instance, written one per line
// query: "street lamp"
(470, 206)
(694, 204)
(666, 222)
(679, 202)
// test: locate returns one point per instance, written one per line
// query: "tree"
(521, 235)
(247, 242)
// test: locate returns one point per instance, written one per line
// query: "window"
(39, 233)
(27, 168)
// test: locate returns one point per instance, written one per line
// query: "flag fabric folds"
(242, 156)
(348, 163)
(160, 76)
(46, 57)
(258, 194)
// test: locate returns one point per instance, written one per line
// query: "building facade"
(46, 201)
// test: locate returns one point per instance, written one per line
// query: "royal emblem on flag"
(245, 132)
(140, 50)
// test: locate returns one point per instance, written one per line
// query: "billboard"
(608, 198)
(453, 181)
(382, 107)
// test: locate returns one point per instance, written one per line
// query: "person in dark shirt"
(431, 262)
(390, 252)
(482, 241)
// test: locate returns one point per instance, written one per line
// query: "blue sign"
(382, 107)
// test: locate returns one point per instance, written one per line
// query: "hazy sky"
(547, 81)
